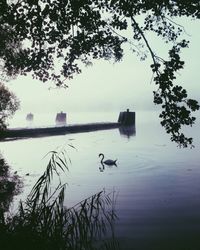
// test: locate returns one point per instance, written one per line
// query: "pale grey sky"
(106, 86)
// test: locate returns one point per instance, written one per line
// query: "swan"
(107, 162)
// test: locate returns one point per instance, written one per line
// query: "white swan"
(107, 162)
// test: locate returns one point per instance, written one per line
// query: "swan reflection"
(102, 167)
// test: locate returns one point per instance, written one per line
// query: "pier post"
(127, 118)
(61, 119)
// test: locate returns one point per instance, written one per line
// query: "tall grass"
(43, 222)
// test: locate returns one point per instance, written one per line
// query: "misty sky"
(106, 86)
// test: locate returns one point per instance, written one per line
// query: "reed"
(44, 222)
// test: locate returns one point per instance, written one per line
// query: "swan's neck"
(102, 155)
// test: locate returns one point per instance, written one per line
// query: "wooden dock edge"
(51, 131)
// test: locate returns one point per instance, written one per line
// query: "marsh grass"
(44, 222)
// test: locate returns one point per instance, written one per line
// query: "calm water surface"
(157, 184)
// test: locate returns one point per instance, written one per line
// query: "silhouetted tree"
(10, 185)
(69, 33)
(8, 105)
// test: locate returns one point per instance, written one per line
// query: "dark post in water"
(61, 119)
(127, 118)
(29, 117)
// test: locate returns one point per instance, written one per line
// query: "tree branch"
(153, 56)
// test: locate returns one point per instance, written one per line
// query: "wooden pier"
(50, 131)
(126, 118)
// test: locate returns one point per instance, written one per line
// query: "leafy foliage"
(10, 185)
(55, 38)
(8, 105)
(44, 222)
(10, 47)
(176, 107)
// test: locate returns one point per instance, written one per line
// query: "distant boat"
(29, 117)
(61, 118)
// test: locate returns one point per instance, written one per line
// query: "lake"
(157, 184)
